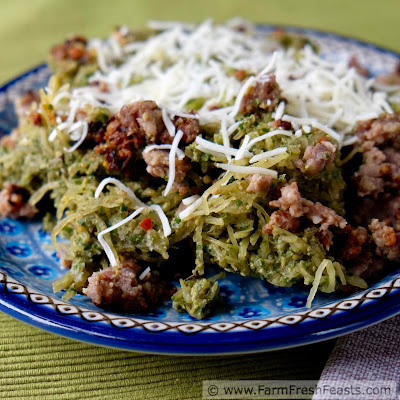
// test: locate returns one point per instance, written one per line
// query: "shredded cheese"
(163, 218)
(107, 249)
(268, 135)
(207, 147)
(85, 127)
(243, 147)
(267, 154)
(179, 153)
(190, 200)
(279, 111)
(144, 273)
(171, 159)
(168, 123)
(120, 185)
(189, 210)
(320, 93)
(248, 170)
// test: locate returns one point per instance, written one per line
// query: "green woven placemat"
(38, 365)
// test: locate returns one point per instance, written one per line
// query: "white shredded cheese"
(243, 147)
(120, 185)
(267, 154)
(279, 111)
(179, 153)
(350, 141)
(207, 147)
(85, 127)
(327, 130)
(298, 133)
(225, 137)
(250, 82)
(168, 123)
(193, 207)
(163, 218)
(318, 92)
(268, 135)
(233, 127)
(107, 249)
(171, 160)
(190, 200)
(247, 170)
(144, 273)
(130, 193)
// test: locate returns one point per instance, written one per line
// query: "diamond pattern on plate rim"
(13, 287)
(377, 293)
(348, 305)
(39, 298)
(321, 313)
(256, 324)
(155, 326)
(123, 322)
(92, 316)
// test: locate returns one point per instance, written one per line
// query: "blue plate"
(255, 316)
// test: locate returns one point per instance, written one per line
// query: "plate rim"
(376, 310)
(25, 310)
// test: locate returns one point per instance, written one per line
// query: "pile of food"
(171, 149)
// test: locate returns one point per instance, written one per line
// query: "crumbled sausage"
(324, 216)
(384, 130)
(380, 171)
(23, 105)
(122, 290)
(280, 124)
(131, 129)
(95, 135)
(14, 202)
(326, 238)
(73, 48)
(292, 202)
(355, 239)
(134, 126)
(263, 96)
(387, 240)
(258, 183)
(365, 264)
(316, 157)
(189, 126)
(354, 63)
(283, 220)
(158, 166)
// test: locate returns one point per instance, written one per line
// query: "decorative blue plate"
(255, 316)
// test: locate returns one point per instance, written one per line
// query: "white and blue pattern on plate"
(254, 315)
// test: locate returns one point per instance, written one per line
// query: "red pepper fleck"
(323, 139)
(146, 224)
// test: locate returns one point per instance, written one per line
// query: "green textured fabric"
(38, 365)
(35, 364)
